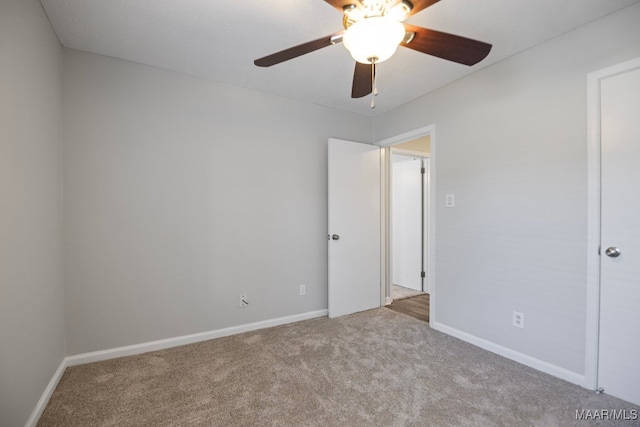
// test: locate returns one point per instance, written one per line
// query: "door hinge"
(423, 274)
(422, 170)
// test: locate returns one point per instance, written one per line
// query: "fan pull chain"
(374, 89)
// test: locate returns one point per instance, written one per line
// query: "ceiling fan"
(373, 29)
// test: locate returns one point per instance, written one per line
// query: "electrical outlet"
(303, 289)
(518, 319)
(243, 300)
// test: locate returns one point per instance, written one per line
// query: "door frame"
(593, 215)
(385, 263)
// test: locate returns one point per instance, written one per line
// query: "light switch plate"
(450, 201)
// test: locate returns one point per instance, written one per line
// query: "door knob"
(613, 252)
(335, 237)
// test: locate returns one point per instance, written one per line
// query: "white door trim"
(431, 217)
(408, 136)
(593, 215)
(406, 152)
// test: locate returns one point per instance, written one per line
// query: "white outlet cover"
(518, 319)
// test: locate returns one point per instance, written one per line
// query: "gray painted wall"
(31, 294)
(511, 144)
(179, 195)
(182, 193)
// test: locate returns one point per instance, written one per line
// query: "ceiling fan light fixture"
(352, 12)
(400, 11)
(373, 39)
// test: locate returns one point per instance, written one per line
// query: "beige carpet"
(377, 368)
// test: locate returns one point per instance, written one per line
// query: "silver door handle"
(613, 252)
(335, 237)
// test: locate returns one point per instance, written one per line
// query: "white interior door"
(407, 222)
(619, 340)
(354, 227)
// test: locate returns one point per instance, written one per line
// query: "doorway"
(348, 280)
(409, 219)
(613, 295)
(419, 143)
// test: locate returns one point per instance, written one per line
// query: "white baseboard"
(130, 350)
(44, 399)
(532, 362)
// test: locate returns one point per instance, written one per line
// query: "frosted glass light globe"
(373, 39)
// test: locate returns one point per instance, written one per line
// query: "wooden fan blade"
(299, 50)
(362, 84)
(447, 46)
(419, 5)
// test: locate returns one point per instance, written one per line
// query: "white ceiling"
(219, 40)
